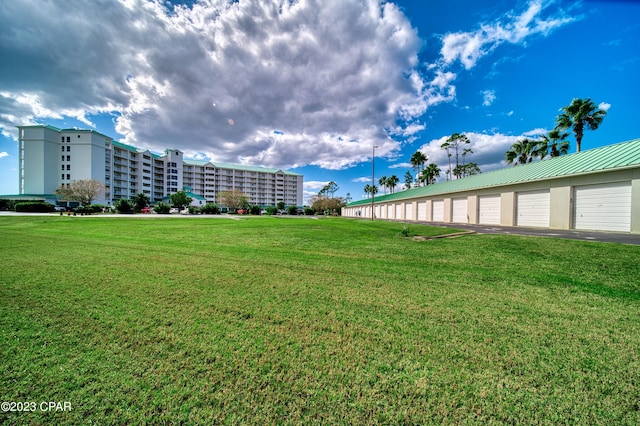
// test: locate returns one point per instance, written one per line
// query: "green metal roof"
(619, 156)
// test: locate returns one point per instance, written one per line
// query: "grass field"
(324, 321)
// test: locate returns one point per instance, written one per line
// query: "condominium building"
(50, 157)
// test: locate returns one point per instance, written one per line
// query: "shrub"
(193, 210)
(271, 210)
(309, 211)
(35, 207)
(97, 208)
(123, 206)
(93, 208)
(7, 204)
(210, 208)
(162, 208)
(255, 210)
(292, 210)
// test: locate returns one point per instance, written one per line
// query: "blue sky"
(311, 86)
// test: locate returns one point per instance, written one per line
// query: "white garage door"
(489, 210)
(532, 208)
(460, 214)
(605, 207)
(438, 211)
(408, 211)
(398, 211)
(422, 210)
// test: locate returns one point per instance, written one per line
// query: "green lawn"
(300, 320)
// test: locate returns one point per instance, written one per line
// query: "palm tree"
(417, 160)
(392, 181)
(383, 183)
(522, 152)
(579, 114)
(367, 189)
(430, 173)
(553, 144)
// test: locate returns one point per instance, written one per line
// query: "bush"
(292, 210)
(193, 210)
(7, 204)
(309, 211)
(35, 207)
(255, 210)
(210, 208)
(97, 208)
(123, 206)
(271, 210)
(162, 208)
(93, 208)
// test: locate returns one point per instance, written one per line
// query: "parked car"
(146, 210)
(243, 211)
(174, 210)
(61, 209)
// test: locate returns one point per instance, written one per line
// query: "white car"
(173, 210)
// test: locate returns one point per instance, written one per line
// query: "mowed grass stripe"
(273, 320)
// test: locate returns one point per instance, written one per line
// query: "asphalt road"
(602, 236)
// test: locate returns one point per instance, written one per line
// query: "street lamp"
(373, 179)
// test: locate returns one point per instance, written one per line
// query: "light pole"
(373, 179)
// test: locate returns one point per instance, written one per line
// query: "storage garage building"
(597, 189)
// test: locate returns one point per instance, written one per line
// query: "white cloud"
(315, 184)
(4, 154)
(332, 77)
(604, 106)
(401, 166)
(362, 179)
(488, 150)
(488, 96)
(469, 47)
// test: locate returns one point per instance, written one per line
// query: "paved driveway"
(609, 237)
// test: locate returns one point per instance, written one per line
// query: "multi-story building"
(50, 157)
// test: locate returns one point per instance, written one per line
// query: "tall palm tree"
(521, 152)
(392, 181)
(579, 115)
(383, 184)
(553, 144)
(430, 174)
(367, 189)
(417, 160)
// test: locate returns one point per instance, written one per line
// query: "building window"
(63, 176)
(63, 158)
(68, 166)
(68, 158)
(63, 167)
(68, 176)
(63, 149)
(68, 148)
(69, 139)
(62, 139)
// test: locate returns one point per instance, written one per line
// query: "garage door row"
(595, 207)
